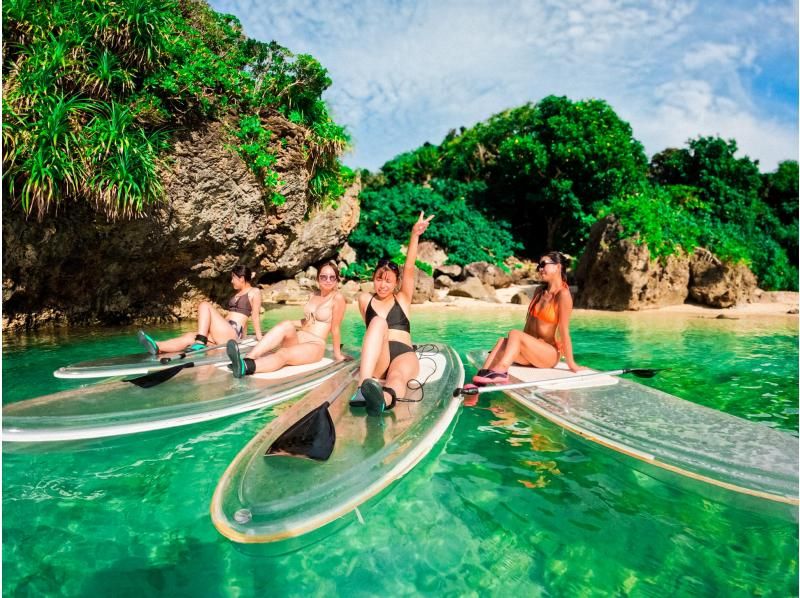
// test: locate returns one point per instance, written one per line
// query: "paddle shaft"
(518, 385)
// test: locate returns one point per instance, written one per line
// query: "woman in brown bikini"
(298, 342)
(212, 326)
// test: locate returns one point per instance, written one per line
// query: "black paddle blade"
(159, 377)
(644, 373)
(313, 437)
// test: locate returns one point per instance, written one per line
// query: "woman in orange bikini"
(548, 317)
(300, 341)
(211, 325)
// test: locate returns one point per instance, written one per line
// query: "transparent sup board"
(140, 364)
(268, 498)
(198, 394)
(663, 430)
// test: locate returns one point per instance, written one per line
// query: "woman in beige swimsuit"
(298, 341)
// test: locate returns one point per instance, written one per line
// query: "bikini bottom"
(237, 328)
(396, 349)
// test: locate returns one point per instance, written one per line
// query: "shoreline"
(772, 304)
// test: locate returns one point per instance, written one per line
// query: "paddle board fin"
(313, 436)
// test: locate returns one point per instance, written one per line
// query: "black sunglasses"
(388, 264)
(543, 263)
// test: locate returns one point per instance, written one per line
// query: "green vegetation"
(553, 168)
(387, 214)
(93, 88)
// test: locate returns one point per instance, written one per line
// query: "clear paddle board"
(663, 430)
(277, 497)
(197, 394)
(139, 364)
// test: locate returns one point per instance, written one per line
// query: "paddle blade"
(644, 373)
(313, 437)
(159, 377)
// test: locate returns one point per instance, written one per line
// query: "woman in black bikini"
(300, 341)
(387, 352)
(211, 325)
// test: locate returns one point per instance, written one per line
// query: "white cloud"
(407, 72)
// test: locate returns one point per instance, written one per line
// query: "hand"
(577, 368)
(421, 225)
(342, 357)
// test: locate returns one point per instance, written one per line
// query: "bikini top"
(322, 312)
(396, 319)
(235, 305)
(548, 312)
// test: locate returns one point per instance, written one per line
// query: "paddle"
(476, 390)
(159, 377)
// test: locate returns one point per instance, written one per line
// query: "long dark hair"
(243, 272)
(557, 258)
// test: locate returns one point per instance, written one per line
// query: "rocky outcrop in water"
(77, 267)
(617, 274)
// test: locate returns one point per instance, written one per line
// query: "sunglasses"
(327, 277)
(388, 264)
(543, 263)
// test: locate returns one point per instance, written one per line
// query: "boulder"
(473, 288)
(521, 298)
(488, 274)
(520, 270)
(718, 284)
(443, 281)
(347, 255)
(453, 271)
(618, 274)
(350, 290)
(423, 287)
(430, 253)
(286, 292)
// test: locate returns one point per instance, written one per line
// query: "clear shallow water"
(505, 503)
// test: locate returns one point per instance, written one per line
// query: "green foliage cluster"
(551, 169)
(92, 89)
(741, 215)
(388, 213)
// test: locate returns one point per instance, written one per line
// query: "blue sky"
(406, 72)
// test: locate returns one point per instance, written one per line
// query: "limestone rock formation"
(718, 284)
(473, 288)
(618, 274)
(488, 274)
(79, 268)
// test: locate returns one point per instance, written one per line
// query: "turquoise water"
(506, 502)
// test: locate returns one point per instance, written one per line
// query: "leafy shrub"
(461, 230)
(90, 88)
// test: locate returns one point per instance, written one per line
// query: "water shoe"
(372, 392)
(490, 377)
(148, 343)
(237, 362)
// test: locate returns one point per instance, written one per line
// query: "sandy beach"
(769, 304)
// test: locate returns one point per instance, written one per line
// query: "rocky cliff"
(618, 274)
(77, 267)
